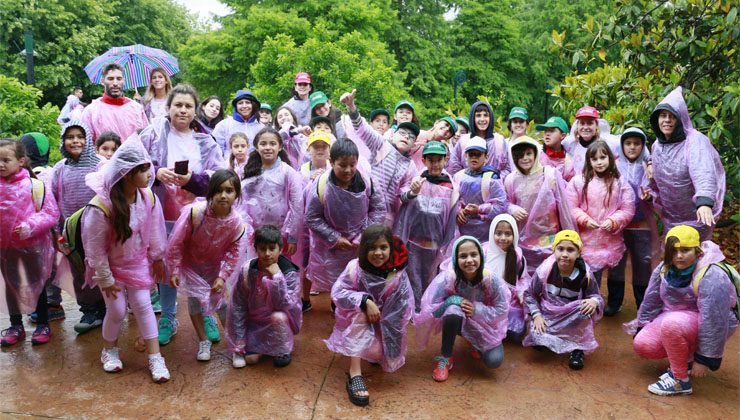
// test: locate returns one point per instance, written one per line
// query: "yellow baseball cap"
(567, 235)
(687, 236)
(319, 136)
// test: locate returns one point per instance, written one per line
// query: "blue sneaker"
(211, 326)
(56, 313)
(669, 385)
(167, 329)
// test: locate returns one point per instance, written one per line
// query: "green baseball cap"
(451, 122)
(410, 126)
(404, 103)
(379, 111)
(317, 98)
(266, 106)
(554, 122)
(434, 148)
(519, 112)
(464, 121)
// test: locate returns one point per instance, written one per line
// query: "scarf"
(551, 153)
(680, 278)
(442, 179)
(114, 101)
(496, 257)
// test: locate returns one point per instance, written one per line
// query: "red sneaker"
(42, 335)
(474, 354)
(442, 371)
(12, 336)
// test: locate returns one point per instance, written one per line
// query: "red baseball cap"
(587, 112)
(302, 77)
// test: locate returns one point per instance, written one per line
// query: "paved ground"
(65, 379)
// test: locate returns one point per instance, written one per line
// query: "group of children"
(475, 236)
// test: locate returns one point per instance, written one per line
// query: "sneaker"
(612, 310)
(474, 354)
(237, 360)
(204, 351)
(111, 360)
(156, 304)
(159, 369)
(56, 313)
(669, 372)
(575, 361)
(306, 305)
(167, 329)
(11, 336)
(89, 321)
(669, 385)
(282, 361)
(41, 335)
(211, 329)
(157, 307)
(442, 371)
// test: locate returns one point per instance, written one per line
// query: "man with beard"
(113, 111)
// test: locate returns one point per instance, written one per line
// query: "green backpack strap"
(306, 170)
(321, 186)
(38, 193)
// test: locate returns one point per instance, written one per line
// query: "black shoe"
(282, 361)
(539, 348)
(306, 305)
(612, 310)
(89, 321)
(333, 307)
(576, 360)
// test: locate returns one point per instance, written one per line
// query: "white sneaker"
(159, 369)
(204, 351)
(237, 360)
(111, 360)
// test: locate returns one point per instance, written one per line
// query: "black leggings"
(451, 328)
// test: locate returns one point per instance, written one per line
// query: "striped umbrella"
(138, 62)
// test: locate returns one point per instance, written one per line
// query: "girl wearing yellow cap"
(688, 313)
(564, 302)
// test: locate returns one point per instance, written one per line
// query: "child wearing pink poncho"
(124, 237)
(602, 204)
(564, 302)
(265, 309)
(465, 300)
(205, 250)
(374, 305)
(689, 311)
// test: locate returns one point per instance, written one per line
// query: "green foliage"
(20, 113)
(691, 43)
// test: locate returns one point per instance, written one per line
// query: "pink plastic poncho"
(563, 165)
(203, 247)
(123, 120)
(542, 194)
(349, 132)
(577, 151)
(274, 197)
(353, 336)
(341, 213)
(108, 260)
(470, 189)
(294, 145)
(26, 257)
(265, 311)
(601, 248)
(567, 328)
(498, 155)
(496, 263)
(156, 139)
(715, 302)
(484, 330)
(392, 172)
(426, 224)
(684, 171)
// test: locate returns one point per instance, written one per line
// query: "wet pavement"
(65, 379)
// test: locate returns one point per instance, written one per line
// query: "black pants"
(451, 328)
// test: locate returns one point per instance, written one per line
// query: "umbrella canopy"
(138, 62)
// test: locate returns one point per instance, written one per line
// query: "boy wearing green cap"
(380, 120)
(426, 222)
(321, 107)
(556, 129)
(265, 114)
(517, 122)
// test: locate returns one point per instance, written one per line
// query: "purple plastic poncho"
(203, 247)
(426, 224)
(108, 260)
(346, 124)
(563, 165)
(484, 330)
(202, 154)
(542, 194)
(715, 302)
(26, 257)
(684, 171)
(274, 197)
(353, 336)
(567, 328)
(496, 263)
(470, 189)
(301, 108)
(228, 126)
(294, 145)
(498, 155)
(392, 172)
(575, 149)
(341, 213)
(265, 312)
(123, 120)
(601, 248)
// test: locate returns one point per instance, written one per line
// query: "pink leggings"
(673, 335)
(141, 305)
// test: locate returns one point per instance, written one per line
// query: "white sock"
(154, 356)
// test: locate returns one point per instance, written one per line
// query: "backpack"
(324, 179)
(38, 192)
(734, 279)
(72, 231)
